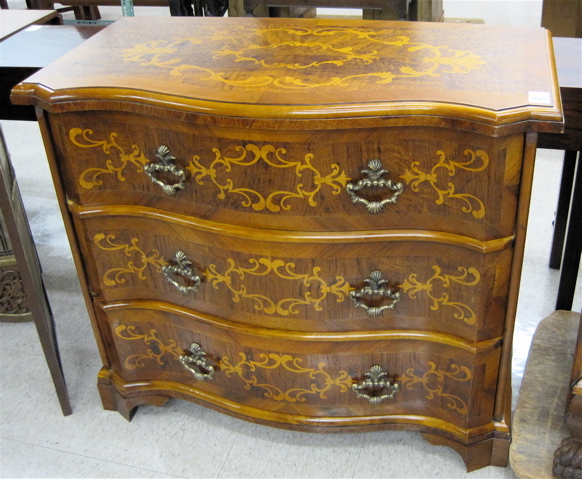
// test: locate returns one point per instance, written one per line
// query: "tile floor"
(186, 440)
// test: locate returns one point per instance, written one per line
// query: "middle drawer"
(337, 282)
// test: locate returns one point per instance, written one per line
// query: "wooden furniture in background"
(29, 271)
(310, 224)
(538, 419)
(563, 17)
(568, 457)
(27, 52)
(372, 9)
(416, 10)
(567, 240)
(13, 21)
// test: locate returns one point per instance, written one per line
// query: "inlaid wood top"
(310, 68)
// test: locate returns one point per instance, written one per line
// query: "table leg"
(573, 247)
(563, 209)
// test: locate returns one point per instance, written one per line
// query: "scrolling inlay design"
(259, 267)
(327, 49)
(90, 177)
(277, 200)
(412, 286)
(321, 381)
(265, 266)
(457, 373)
(415, 177)
(156, 351)
(291, 364)
(141, 260)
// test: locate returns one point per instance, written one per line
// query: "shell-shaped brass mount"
(195, 361)
(183, 267)
(374, 179)
(375, 286)
(375, 388)
(167, 166)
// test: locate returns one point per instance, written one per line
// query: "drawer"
(360, 179)
(293, 377)
(297, 283)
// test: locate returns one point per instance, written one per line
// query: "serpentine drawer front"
(306, 284)
(310, 224)
(458, 183)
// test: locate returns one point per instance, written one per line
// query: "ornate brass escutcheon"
(183, 267)
(374, 179)
(375, 388)
(374, 287)
(166, 165)
(195, 362)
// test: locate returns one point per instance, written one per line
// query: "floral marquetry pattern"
(467, 277)
(286, 271)
(477, 161)
(91, 176)
(274, 157)
(321, 382)
(156, 351)
(433, 379)
(332, 49)
(140, 260)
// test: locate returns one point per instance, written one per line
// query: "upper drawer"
(361, 179)
(309, 283)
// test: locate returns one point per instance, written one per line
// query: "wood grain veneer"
(255, 131)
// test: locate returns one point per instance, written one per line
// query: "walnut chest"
(310, 224)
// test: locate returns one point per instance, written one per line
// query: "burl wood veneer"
(309, 224)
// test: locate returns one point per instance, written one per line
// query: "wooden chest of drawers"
(309, 224)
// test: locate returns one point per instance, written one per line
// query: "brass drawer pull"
(375, 171)
(375, 383)
(183, 267)
(166, 165)
(374, 287)
(195, 362)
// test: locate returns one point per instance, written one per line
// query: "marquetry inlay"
(433, 379)
(313, 51)
(477, 161)
(321, 381)
(90, 177)
(138, 262)
(466, 277)
(274, 157)
(318, 381)
(233, 278)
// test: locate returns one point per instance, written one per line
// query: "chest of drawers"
(309, 224)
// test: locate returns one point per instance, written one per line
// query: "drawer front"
(437, 179)
(300, 284)
(295, 377)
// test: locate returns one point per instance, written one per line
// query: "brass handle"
(195, 362)
(374, 179)
(166, 165)
(375, 383)
(374, 287)
(183, 267)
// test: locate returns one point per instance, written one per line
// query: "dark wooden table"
(27, 51)
(13, 21)
(567, 242)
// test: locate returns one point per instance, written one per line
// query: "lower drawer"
(289, 377)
